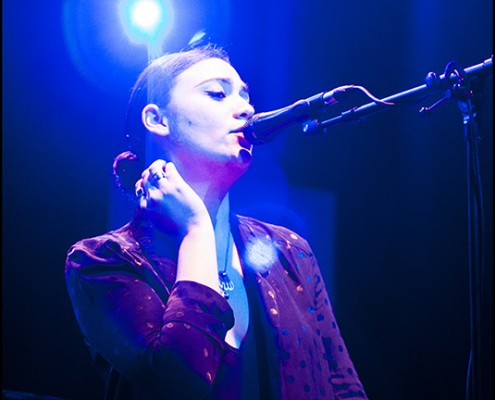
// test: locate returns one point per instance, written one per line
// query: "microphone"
(262, 127)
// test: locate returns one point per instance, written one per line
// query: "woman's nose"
(245, 111)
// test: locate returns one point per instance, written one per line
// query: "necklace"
(226, 284)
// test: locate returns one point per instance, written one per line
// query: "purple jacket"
(165, 340)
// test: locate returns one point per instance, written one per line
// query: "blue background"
(382, 202)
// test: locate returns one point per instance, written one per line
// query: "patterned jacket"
(166, 340)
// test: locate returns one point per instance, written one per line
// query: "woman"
(188, 300)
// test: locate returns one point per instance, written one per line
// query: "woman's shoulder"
(107, 248)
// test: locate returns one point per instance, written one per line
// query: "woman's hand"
(173, 206)
(168, 200)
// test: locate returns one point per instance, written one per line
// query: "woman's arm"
(174, 207)
(168, 345)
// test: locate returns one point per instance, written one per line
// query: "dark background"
(383, 202)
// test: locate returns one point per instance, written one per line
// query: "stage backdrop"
(383, 202)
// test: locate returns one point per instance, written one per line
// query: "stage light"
(109, 42)
(146, 21)
(146, 15)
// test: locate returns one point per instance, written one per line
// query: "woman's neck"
(211, 182)
(221, 224)
(213, 190)
(221, 219)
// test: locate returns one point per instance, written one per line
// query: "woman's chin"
(239, 163)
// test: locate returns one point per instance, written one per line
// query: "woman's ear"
(154, 120)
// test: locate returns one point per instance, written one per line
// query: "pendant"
(226, 285)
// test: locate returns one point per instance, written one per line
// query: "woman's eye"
(217, 95)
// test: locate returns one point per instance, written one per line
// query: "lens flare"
(261, 254)
(146, 15)
(146, 21)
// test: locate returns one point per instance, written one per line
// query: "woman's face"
(209, 104)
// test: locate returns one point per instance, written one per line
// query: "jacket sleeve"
(170, 346)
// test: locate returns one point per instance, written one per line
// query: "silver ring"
(156, 176)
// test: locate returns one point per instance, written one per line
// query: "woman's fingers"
(167, 197)
(161, 183)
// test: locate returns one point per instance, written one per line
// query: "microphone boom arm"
(434, 83)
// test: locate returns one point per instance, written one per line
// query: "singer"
(178, 304)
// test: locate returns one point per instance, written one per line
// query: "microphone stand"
(457, 84)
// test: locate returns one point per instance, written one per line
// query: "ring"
(139, 192)
(156, 176)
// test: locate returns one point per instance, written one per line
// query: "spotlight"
(146, 15)
(146, 21)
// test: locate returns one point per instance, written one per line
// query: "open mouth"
(243, 142)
